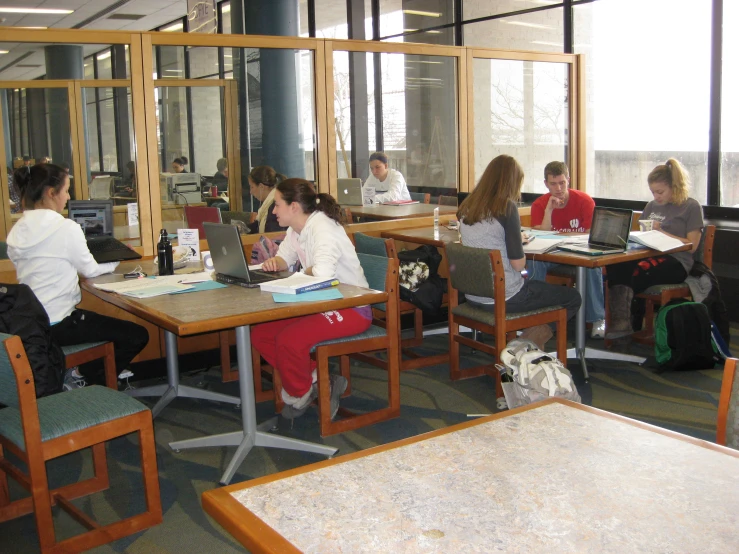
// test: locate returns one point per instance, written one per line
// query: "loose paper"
(133, 213)
(368, 196)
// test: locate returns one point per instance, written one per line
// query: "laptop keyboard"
(98, 246)
(228, 280)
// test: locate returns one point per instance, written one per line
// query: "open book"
(298, 283)
(656, 240)
(540, 245)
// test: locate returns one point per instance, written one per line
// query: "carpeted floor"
(684, 402)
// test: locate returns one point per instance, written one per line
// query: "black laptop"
(228, 257)
(96, 219)
(609, 233)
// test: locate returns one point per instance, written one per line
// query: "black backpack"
(682, 336)
(428, 296)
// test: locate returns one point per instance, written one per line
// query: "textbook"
(400, 202)
(656, 240)
(540, 245)
(298, 283)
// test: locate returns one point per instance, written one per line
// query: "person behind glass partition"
(389, 184)
(179, 165)
(262, 182)
(220, 179)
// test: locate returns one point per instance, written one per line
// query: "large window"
(730, 108)
(648, 97)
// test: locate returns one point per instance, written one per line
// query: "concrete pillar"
(65, 62)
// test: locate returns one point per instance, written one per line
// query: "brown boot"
(539, 335)
(619, 301)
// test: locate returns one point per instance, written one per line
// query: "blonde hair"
(674, 174)
(500, 183)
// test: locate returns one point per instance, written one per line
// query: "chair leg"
(100, 463)
(41, 503)
(454, 372)
(147, 447)
(345, 369)
(111, 375)
(562, 337)
(227, 374)
(324, 392)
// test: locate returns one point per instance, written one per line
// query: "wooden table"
(581, 263)
(382, 212)
(424, 235)
(551, 477)
(217, 310)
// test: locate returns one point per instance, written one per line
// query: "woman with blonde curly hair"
(674, 213)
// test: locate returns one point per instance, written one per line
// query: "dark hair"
(26, 158)
(302, 192)
(379, 156)
(64, 166)
(182, 160)
(265, 175)
(222, 164)
(33, 184)
(555, 169)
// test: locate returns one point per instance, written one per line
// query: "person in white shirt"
(48, 252)
(389, 184)
(316, 239)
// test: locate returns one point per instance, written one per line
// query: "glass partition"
(410, 113)
(521, 108)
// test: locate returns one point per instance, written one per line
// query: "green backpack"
(682, 336)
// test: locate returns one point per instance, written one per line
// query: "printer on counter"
(180, 188)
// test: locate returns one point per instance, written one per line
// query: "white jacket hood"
(33, 228)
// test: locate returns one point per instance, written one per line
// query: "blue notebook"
(324, 294)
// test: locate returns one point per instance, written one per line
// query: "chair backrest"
(476, 271)
(348, 215)
(366, 244)
(382, 273)
(246, 217)
(447, 200)
(8, 386)
(635, 220)
(727, 425)
(3, 250)
(196, 215)
(704, 252)
(422, 197)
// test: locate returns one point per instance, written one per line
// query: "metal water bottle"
(164, 254)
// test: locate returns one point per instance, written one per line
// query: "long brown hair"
(674, 174)
(302, 192)
(265, 175)
(500, 183)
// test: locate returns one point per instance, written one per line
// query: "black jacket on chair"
(22, 314)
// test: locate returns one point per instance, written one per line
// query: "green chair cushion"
(80, 347)
(484, 316)
(67, 412)
(657, 289)
(371, 333)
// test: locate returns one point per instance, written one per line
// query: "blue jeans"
(595, 308)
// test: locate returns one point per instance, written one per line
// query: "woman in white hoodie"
(49, 251)
(316, 239)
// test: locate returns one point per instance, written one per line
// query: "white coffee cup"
(646, 225)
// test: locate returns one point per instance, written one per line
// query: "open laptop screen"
(610, 227)
(94, 216)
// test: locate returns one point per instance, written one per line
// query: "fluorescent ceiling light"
(524, 24)
(173, 70)
(33, 27)
(434, 32)
(34, 10)
(545, 43)
(3, 51)
(174, 27)
(226, 8)
(410, 30)
(104, 56)
(422, 61)
(425, 14)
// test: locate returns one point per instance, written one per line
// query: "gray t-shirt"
(677, 220)
(500, 233)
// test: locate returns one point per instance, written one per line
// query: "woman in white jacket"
(49, 251)
(389, 184)
(316, 239)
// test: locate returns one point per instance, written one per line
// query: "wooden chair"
(348, 215)
(422, 197)
(727, 425)
(386, 247)
(382, 274)
(38, 430)
(659, 295)
(480, 272)
(447, 200)
(79, 354)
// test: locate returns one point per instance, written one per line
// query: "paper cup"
(646, 225)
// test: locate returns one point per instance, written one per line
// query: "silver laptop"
(228, 257)
(96, 219)
(350, 192)
(609, 233)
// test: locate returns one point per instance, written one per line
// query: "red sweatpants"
(286, 344)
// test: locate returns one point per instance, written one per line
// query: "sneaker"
(599, 329)
(338, 387)
(72, 381)
(293, 411)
